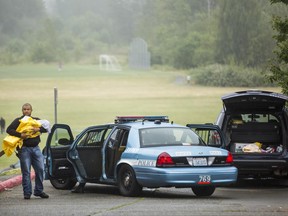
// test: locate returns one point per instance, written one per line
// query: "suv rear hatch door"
(259, 101)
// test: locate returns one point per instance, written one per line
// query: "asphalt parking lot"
(248, 198)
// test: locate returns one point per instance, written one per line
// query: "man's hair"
(27, 104)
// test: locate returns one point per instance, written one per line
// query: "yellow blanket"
(10, 143)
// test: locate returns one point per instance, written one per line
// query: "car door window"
(123, 139)
(58, 136)
(112, 139)
(92, 138)
(209, 134)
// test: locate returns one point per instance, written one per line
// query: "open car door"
(210, 134)
(86, 153)
(58, 169)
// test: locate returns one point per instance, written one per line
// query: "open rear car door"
(210, 134)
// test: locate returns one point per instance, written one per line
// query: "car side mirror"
(64, 141)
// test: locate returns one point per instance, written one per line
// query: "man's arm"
(43, 130)
(11, 129)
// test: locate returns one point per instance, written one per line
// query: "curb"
(14, 181)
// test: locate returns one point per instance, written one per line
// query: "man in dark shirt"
(30, 154)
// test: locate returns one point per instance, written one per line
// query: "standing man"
(30, 154)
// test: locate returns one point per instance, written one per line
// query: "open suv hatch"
(255, 126)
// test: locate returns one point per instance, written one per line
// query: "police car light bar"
(121, 119)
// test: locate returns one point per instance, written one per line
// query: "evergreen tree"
(279, 67)
(242, 33)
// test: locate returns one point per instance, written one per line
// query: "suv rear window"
(258, 118)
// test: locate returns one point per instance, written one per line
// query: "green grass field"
(88, 96)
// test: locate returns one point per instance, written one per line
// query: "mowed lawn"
(89, 96)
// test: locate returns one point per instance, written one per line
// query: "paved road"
(255, 200)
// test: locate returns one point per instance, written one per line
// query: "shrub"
(229, 76)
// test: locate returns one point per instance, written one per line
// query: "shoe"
(27, 196)
(42, 195)
(79, 189)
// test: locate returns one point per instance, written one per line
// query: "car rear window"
(150, 137)
(252, 117)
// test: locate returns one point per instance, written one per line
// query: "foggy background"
(182, 34)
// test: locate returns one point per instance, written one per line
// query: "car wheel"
(127, 182)
(63, 184)
(203, 191)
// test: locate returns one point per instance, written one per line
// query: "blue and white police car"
(136, 152)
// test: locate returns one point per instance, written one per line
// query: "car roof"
(149, 124)
(254, 100)
(139, 122)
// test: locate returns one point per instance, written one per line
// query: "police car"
(136, 152)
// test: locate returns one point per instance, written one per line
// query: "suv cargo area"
(255, 133)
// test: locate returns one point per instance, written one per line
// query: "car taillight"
(164, 160)
(229, 158)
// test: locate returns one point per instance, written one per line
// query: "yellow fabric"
(26, 126)
(258, 144)
(10, 143)
(253, 147)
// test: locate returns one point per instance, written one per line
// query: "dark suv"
(255, 124)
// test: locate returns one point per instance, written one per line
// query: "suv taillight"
(229, 158)
(164, 160)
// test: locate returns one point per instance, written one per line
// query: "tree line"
(183, 34)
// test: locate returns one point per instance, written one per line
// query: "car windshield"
(150, 137)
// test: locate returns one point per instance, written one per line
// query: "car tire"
(127, 183)
(63, 184)
(203, 191)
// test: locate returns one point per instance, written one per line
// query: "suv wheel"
(203, 191)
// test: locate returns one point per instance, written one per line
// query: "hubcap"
(127, 180)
